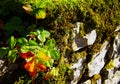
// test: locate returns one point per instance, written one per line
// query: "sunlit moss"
(110, 65)
(95, 78)
(102, 15)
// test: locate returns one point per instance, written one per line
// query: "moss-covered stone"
(102, 15)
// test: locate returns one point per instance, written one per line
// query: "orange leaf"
(47, 57)
(30, 66)
(41, 67)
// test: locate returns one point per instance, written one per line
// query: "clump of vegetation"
(38, 53)
(35, 46)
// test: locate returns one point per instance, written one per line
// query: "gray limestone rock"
(3, 68)
(81, 42)
(99, 61)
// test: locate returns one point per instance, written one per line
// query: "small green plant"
(37, 49)
(10, 51)
(35, 7)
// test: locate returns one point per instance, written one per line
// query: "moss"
(65, 73)
(22, 80)
(96, 48)
(82, 30)
(76, 56)
(102, 15)
(110, 65)
(95, 77)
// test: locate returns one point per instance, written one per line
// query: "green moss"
(23, 80)
(102, 15)
(79, 55)
(65, 73)
(82, 30)
(95, 49)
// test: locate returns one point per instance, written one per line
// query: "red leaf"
(30, 66)
(26, 55)
(33, 74)
(41, 67)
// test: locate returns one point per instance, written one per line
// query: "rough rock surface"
(77, 70)
(81, 42)
(97, 62)
(3, 68)
(104, 66)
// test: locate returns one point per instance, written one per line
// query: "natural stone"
(97, 62)
(77, 67)
(91, 37)
(80, 39)
(3, 68)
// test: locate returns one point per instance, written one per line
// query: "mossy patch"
(110, 65)
(61, 15)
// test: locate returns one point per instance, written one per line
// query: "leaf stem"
(33, 80)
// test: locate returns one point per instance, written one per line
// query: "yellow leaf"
(41, 14)
(42, 56)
